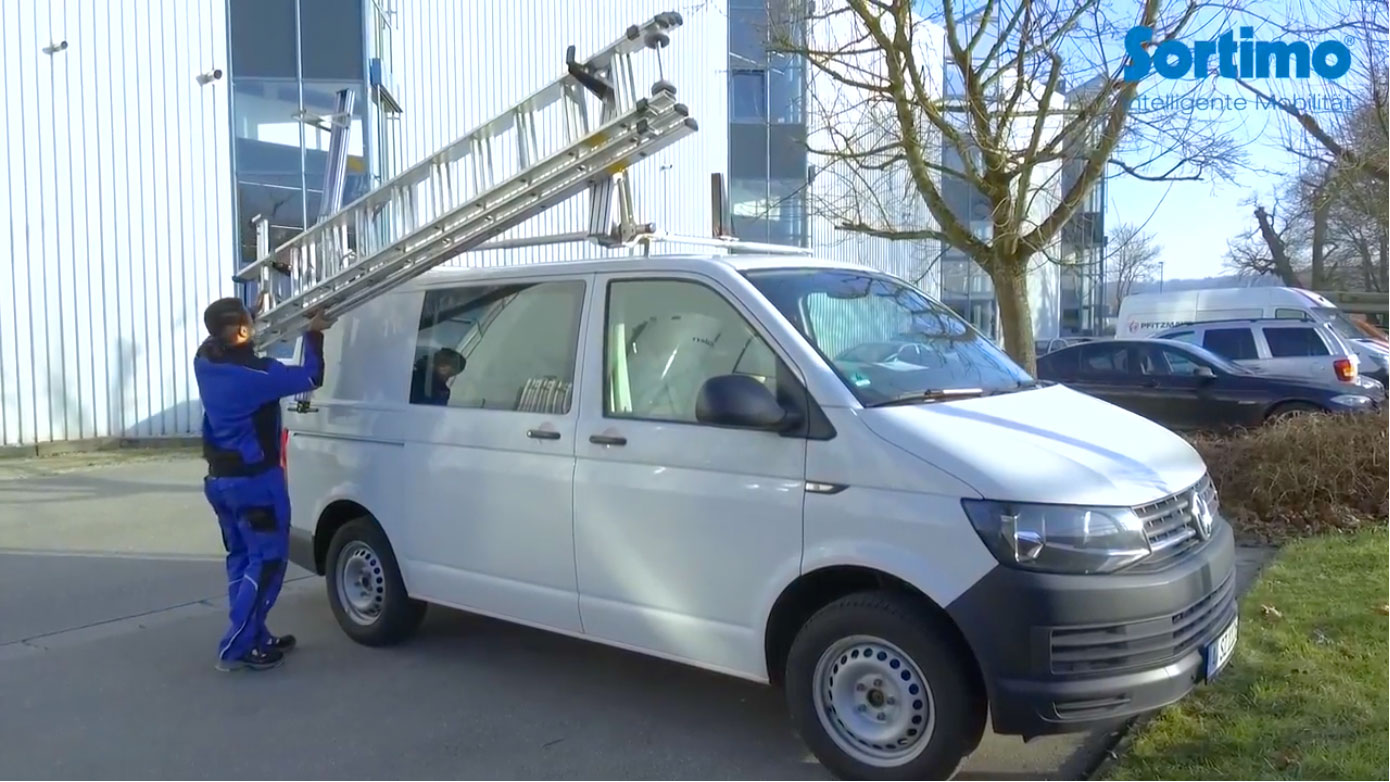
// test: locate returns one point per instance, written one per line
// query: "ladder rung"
(607, 151)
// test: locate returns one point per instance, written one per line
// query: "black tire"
(957, 711)
(396, 615)
(1291, 409)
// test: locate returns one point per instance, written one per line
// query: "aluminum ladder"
(466, 194)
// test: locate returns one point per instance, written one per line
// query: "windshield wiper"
(929, 395)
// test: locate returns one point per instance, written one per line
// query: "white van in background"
(1147, 314)
(715, 460)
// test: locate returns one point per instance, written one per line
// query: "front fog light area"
(1059, 538)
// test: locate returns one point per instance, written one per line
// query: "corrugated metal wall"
(459, 63)
(115, 180)
(848, 189)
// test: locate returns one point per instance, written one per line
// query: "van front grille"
(1170, 524)
(1145, 644)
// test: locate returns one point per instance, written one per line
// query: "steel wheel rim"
(873, 701)
(361, 583)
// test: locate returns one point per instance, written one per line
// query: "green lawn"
(1305, 696)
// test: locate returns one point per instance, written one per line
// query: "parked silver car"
(1292, 348)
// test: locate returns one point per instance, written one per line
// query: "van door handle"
(607, 439)
(542, 434)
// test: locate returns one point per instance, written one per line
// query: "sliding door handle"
(542, 434)
(607, 439)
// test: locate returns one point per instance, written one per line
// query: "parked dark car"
(1182, 386)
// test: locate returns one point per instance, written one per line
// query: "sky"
(1193, 220)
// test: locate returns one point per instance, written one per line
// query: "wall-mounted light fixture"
(211, 76)
(54, 48)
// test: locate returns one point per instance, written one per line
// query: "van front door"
(680, 526)
(490, 450)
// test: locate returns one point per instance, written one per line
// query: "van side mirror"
(1205, 373)
(740, 400)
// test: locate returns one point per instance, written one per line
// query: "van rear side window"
(509, 347)
(1291, 341)
(1235, 344)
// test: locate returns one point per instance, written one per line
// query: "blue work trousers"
(254, 513)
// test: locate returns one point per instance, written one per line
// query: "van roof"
(739, 262)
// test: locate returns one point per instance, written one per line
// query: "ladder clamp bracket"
(586, 76)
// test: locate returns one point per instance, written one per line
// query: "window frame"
(790, 385)
(490, 289)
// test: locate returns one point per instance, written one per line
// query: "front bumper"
(1063, 653)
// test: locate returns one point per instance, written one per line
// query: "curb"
(97, 445)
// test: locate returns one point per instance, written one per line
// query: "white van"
(1146, 314)
(665, 455)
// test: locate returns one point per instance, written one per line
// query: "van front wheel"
(365, 588)
(877, 695)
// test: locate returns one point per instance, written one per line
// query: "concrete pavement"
(111, 602)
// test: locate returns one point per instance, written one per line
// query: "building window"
(748, 96)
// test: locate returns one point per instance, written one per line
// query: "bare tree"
(1001, 119)
(1343, 121)
(1131, 257)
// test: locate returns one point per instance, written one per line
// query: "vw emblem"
(1201, 516)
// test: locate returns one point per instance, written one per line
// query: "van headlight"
(1059, 538)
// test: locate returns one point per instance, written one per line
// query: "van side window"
(1284, 313)
(1235, 344)
(1286, 341)
(665, 338)
(507, 347)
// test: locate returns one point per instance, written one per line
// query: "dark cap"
(224, 314)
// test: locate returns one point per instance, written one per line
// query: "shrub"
(1302, 475)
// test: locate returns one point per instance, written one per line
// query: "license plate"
(1219, 651)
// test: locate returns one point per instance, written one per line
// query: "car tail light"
(1346, 371)
(284, 449)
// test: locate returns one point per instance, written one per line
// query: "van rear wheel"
(365, 588)
(877, 694)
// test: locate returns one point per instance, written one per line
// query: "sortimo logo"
(1243, 59)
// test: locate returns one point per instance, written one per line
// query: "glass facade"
(289, 59)
(767, 122)
(965, 287)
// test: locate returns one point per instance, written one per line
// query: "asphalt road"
(111, 604)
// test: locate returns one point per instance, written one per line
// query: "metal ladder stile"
(464, 195)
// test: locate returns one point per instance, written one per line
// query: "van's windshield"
(887, 341)
(1340, 323)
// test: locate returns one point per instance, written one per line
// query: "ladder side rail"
(632, 41)
(602, 148)
(437, 244)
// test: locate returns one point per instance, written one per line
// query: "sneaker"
(256, 660)
(281, 643)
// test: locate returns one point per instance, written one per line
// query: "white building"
(144, 140)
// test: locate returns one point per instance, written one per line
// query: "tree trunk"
(1278, 251)
(1320, 212)
(1384, 278)
(1015, 315)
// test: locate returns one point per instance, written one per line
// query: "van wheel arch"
(809, 593)
(332, 518)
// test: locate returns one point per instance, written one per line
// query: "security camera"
(214, 75)
(54, 48)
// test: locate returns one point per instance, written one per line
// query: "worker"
(430, 385)
(245, 483)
